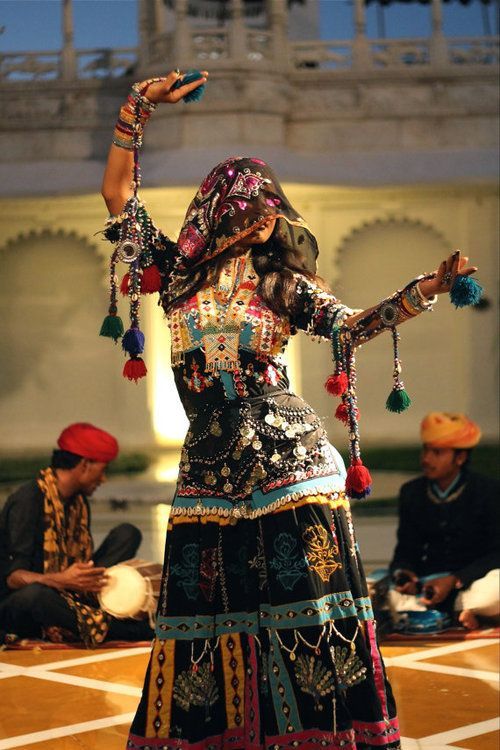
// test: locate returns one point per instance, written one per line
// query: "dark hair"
(275, 263)
(64, 460)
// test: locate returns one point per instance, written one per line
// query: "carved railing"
(397, 53)
(30, 66)
(209, 46)
(332, 55)
(106, 63)
(482, 50)
(45, 66)
(259, 45)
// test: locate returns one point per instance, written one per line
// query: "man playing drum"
(50, 576)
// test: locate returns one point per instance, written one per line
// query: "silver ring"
(446, 278)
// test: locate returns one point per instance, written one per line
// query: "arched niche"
(373, 261)
(56, 369)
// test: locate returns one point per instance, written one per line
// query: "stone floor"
(74, 700)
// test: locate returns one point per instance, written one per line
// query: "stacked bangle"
(133, 116)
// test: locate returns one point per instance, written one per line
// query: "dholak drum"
(132, 591)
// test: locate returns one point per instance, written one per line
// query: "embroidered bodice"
(227, 343)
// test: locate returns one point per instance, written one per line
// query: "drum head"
(125, 594)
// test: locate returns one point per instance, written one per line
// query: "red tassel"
(134, 369)
(342, 413)
(124, 285)
(358, 481)
(337, 384)
(150, 280)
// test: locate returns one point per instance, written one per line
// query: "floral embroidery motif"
(290, 566)
(208, 572)
(314, 678)
(320, 552)
(258, 563)
(196, 688)
(197, 381)
(188, 570)
(348, 666)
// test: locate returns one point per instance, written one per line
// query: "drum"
(133, 590)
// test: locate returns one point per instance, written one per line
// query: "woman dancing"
(265, 636)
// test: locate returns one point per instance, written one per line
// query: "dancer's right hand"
(83, 576)
(161, 91)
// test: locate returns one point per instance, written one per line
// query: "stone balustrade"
(213, 46)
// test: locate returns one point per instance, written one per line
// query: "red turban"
(442, 430)
(88, 441)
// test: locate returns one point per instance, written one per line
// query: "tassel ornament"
(150, 280)
(358, 480)
(125, 283)
(112, 327)
(134, 369)
(398, 400)
(342, 413)
(337, 383)
(189, 77)
(133, 341)
(465, 291)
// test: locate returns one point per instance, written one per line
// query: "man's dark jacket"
(461, 536)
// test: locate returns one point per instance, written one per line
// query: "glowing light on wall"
(169, 420)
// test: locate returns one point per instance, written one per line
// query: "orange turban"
(88, 441)
(443, 430)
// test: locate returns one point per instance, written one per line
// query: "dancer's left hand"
(454, 265)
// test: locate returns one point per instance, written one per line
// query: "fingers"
(180, 93)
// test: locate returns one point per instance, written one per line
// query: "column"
(438, 48)
(237, 32)
(144, 51)
(277, 16)
(68, 55)
(182, 36)
(360, 47)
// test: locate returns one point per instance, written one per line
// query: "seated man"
(49, 573)
(449, 524)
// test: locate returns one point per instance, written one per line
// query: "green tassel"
(112, 326)
(398, 400)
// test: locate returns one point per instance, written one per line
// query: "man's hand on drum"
(83, 576)
(161, 91)
(455, 265)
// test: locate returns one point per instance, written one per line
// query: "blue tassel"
(465, 291)
(188, 77)
(133, 341)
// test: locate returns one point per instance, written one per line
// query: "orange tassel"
(134, 369)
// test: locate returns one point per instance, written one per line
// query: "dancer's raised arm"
(116, 185)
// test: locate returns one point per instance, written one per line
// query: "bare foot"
(468, 619)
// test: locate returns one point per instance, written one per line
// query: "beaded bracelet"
(134, 115)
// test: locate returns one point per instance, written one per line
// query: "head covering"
(233, 200)
(443, 430)
(83, 439)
